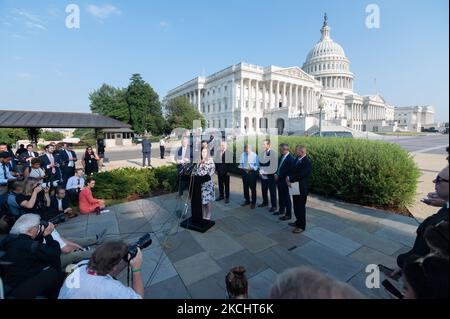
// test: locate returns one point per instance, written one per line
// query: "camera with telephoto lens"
(58, 219)
(50, 184)
(142, 243)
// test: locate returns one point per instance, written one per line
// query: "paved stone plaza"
(341, 240)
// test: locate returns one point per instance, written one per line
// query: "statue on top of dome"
(325, 20)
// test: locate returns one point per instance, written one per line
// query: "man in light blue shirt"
(5, 174)
(249, 164)
(75, 184)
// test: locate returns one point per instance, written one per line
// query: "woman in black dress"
(90, 162)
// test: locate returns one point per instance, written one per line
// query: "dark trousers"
(67, 172)
(269, 185)
(73, 196)
(182, 185)
(300, 210)
(249, 184)
(162, 150)
(284, 198)
(45, 284)
(224, 185)
(146, 156)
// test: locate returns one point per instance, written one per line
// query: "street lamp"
(321, 105)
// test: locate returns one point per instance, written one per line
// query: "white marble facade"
(251, 98)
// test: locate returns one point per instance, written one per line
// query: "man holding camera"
(35, 267)
(94, 279)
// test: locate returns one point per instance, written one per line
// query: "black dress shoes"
(227, 200)
(219, 199)
(278, 213)
(273, 210)
(285, 218)
(252, 206)
(245, 204)
(263, 205)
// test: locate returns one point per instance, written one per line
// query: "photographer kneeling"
(94, 279)
(35, 269)
(35, 199)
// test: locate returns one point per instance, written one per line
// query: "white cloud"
(24, 76)
(32, 21)
(29, 16)
(103, 12)
(33, 25)
(6, 24)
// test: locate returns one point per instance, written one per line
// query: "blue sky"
(46, 66)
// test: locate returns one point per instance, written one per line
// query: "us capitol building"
(251, 98)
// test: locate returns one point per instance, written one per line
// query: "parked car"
(137, 140)
(343, 134)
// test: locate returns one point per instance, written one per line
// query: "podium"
(196, 221)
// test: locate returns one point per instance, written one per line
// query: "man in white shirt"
(68, 158)
(26, 157)
(162, 147)
(94, 280)
(75, 184)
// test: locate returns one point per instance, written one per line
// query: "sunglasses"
(440, 179)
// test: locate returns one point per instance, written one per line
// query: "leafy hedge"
(360, 171)
(125, 182)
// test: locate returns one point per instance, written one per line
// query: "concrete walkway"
(430, 165)
(341, 240)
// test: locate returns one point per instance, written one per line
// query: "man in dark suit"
(68, 159)
(60, 203)
(267, 168)
(25, 157)
(223, 160)
(51, 163)
(146, 151)
(284, 166)
(183, 156)
(301, 172)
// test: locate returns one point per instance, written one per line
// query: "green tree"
(181, 113)
(110, 101)
(12, 135)
(144, 107)
(52, 136)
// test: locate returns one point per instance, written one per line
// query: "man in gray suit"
(146, 151)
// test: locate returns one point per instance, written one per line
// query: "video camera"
(142, 243)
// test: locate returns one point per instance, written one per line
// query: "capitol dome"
(327, 62)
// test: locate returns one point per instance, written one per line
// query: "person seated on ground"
(60, 203)
(94, 276)
(35, 170)
(420, 247)
(35, 199)
(426, 278)
(36, 267)
(15, 210)
(237, 284)
(437, 239)
(87, 203)
(307, 283)
(75, 184)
